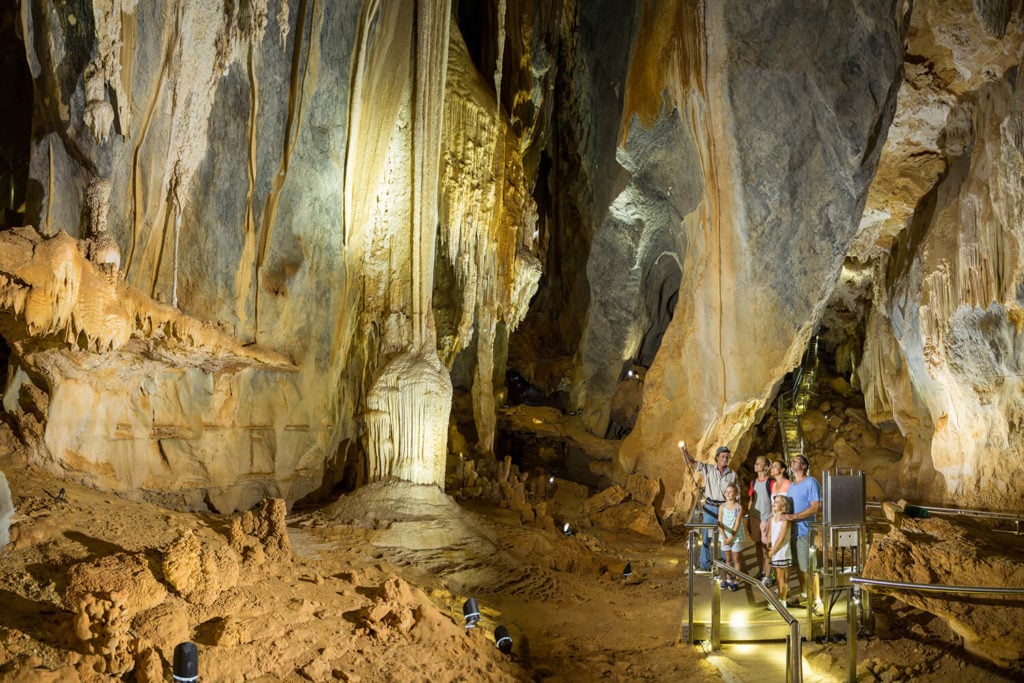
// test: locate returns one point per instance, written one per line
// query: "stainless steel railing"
(794, 644)
(1016, 519)
(941, 588)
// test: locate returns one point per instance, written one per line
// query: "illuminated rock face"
(941, 357)
(760, 230)
(259, 167)
(304, 218)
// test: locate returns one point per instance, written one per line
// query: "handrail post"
(851, 636)
(690, 547)
(794, 655)
(716, 597)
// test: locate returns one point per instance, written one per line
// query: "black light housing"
(503, 639)
(186, 662)
(471, 613)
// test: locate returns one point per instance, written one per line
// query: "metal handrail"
(772, 598)
(794, 645)
(940, 588)
(960, 512)
(1018, 520)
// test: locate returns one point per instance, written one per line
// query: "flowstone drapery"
(391, 229)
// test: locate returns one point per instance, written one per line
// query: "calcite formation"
(941, 357)
(763, 230)
(306, 227)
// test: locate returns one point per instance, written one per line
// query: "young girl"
(780, 552)
(730, 517)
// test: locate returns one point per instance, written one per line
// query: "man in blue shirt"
(806, 495)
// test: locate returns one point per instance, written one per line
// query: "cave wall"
(222, 132)
(288, 174)
(786, 112)
(356, 188)
(940, 239)
(945, 359)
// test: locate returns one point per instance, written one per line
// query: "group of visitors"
(780, 512)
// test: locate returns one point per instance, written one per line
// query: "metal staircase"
(794, 399)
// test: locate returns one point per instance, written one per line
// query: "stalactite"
(177, 234)
(58, 292)
(395, 117)
(486, 220)
(432, 27)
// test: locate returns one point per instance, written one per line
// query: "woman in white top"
(780, 552)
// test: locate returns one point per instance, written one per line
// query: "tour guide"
(716, 478)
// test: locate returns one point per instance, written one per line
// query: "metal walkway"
(746, 615)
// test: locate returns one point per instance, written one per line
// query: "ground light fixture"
(627, 571)
(566, 529)
(471, 613)
(503, 639)
(186, 663)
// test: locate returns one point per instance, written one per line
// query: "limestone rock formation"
(273, 241)
(760, 230)
(198, 571)
(940, 357)
(955, 553)
(262, 532)
(105, 596)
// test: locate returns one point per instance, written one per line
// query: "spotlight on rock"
(627, 571)
(566, 529)
(503, 639)
(471, 613)
(186, 663)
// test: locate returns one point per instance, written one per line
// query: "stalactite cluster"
(487, 224)
(50, 285)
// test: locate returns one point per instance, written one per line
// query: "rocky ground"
(371, 588)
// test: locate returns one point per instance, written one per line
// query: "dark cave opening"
(15, 119)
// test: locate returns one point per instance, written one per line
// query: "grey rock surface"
(6, 511)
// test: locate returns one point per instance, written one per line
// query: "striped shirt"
(715, 481)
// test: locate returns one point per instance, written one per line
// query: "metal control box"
(846, 539)
(844, 498)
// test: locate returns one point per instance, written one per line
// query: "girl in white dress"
(780, 552)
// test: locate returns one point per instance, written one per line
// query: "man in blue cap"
(716, 478)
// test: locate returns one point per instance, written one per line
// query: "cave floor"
(373, 591)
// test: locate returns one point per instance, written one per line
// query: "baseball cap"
(722, 449)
